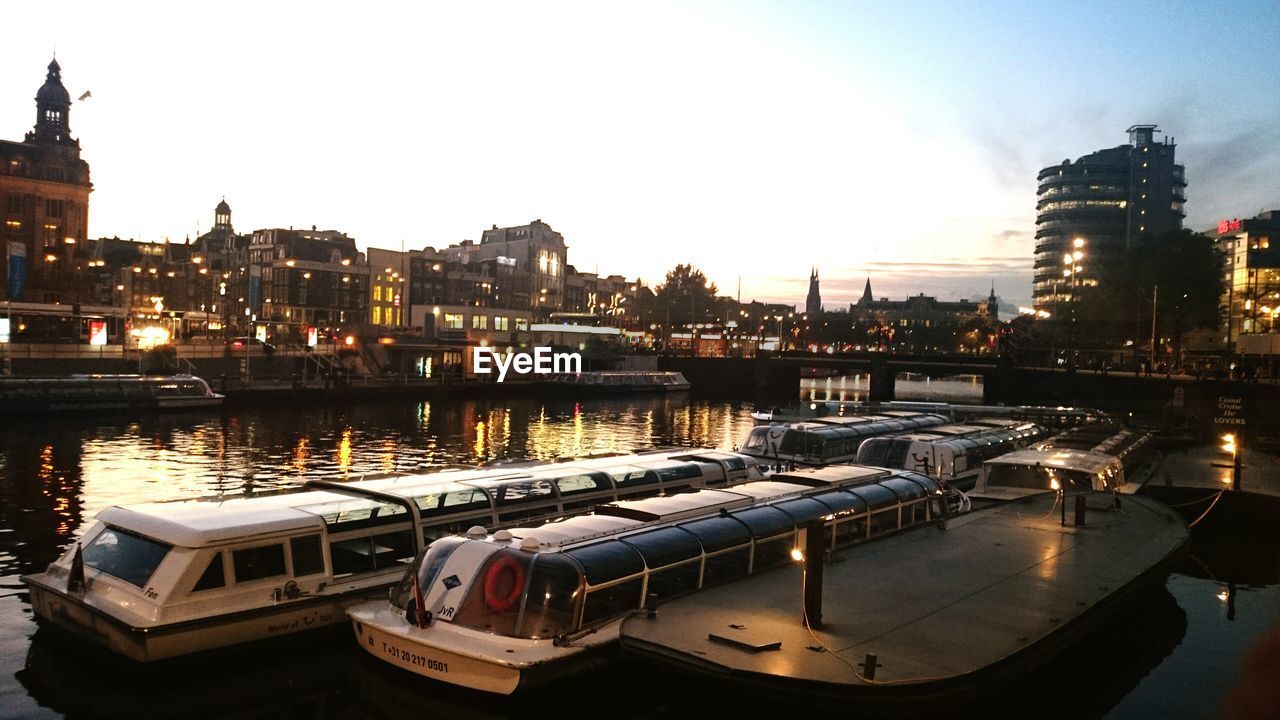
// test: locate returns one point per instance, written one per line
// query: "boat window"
(551, 596)
(726, 566)
(364, 554)
(875, 496)
(680, 472)
(841, 502)
(130, 557)
(258, 563)
(906, 489)
(765, 521)
(609, 602)
(718, 533)
(674, 580)
(213, 576)
(773, 553)
(524, 491)
(586, 482)
(850, 530)
(1036, 478)
(630, 478)
(874, 452)
(928, 483)
(664, 546)
(451, 499)
(527, 500)
(884, 521)
(803, 510)
(607, 561)
(307, 557)
(756, 440)
(492, 603)
(355, 514)
(425, 569)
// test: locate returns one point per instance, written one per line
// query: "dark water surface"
(1175, 656)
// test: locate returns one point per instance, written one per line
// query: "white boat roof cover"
(1079, 460)
(765, 489)
(831, 474)
(671, 505)
(200, 522)
(197, 523)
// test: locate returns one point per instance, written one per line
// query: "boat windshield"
(425, 568)
(1037, 478)
(130, 557)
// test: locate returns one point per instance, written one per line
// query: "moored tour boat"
(163, 579)
(1099, 457)
(20, 395)
(951, 453)
(514, 609)
(821, 441)
(614, 381)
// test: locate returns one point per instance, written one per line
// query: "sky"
(893, 140)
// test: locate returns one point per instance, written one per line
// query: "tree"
(686, 296)
(1189, 272)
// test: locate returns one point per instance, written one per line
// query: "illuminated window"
(377, 314)
(453, 321)
(502, 323)
(377, 297)
(522, 324)
(479, 322)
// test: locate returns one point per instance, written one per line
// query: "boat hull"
(478, 661)
(82, 620)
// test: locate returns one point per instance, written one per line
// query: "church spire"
(867, 297)
(813, 303)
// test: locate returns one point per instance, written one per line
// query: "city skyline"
(759, 142)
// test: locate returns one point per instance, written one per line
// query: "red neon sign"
(1229, 226)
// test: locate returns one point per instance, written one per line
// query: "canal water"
(1176, 656)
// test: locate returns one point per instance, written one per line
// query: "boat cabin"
(1092, 457)
(830, 439)
(577, 574)
(949, 452)
(155, 564)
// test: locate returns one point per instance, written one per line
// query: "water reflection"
(907, 386)
(55, 475)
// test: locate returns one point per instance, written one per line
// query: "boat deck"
(947, 612)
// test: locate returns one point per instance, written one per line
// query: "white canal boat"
(163, 579)
(516, 608)
(951, 453)
(836, 439)
(1099, 457)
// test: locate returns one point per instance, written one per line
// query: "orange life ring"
(502, 603)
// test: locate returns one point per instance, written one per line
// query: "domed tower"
(222, 216)
(53, 110)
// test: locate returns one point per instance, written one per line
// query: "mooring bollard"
(869, 666)
(1080, 510)
(651, 605)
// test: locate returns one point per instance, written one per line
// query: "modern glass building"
(1098, 206)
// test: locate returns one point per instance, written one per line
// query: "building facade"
(525, 267)
(44, 204)
(922, 323)
(1251, 296)
(1107, 200)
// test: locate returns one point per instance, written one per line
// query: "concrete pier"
(949, 615)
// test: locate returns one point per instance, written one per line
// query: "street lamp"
(1071, 269)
